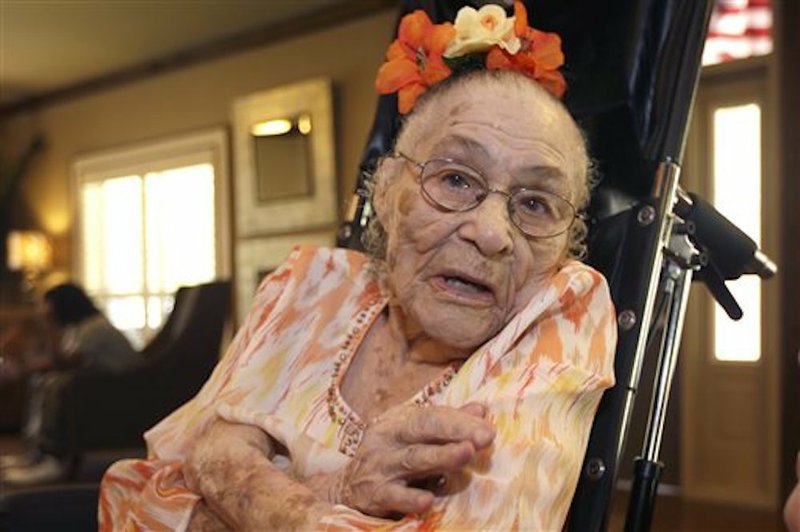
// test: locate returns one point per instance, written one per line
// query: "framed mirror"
(284, 154)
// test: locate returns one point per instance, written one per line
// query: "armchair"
(111, 411)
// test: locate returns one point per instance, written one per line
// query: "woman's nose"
(489, 227)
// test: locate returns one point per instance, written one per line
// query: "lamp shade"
(28, 251)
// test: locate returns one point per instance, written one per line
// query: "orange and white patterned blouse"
(541, 379)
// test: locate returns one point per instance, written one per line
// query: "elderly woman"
(449, 381)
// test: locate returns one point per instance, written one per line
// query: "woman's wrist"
(327, 487)
(205, 520)
(336, 489)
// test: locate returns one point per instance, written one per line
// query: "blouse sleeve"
(542, 396)
(151, 494)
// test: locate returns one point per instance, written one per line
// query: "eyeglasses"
(456, 187)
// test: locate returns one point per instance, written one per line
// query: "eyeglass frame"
(488, 190)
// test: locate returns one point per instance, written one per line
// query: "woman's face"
(459, 277)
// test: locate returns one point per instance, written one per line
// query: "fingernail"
(424, 501)
(476, 409)
(485, 436)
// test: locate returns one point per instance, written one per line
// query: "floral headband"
(425, 53)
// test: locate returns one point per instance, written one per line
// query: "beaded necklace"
(338, 409)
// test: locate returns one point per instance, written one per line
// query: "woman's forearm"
(205, 520)
(231, 468)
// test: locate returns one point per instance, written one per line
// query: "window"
(737, 195)
(151, 219)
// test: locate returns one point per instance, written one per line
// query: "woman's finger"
(420, 461)
(397, 497)
(475, 409)
(444, 425)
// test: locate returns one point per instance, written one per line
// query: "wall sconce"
(282, 126)
(31, 253)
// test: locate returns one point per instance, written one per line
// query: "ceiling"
(47, 46)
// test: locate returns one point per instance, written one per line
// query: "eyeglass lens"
(456, 187)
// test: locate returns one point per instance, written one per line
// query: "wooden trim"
(741, 67)
(337, 14)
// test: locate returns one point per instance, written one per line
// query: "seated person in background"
(79, 337)
(449, 380)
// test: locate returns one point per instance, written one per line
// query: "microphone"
(733, 252)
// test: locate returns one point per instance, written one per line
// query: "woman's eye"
(454, 180)
(533, 205)
(536, 205)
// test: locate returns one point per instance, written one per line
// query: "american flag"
(738, 29)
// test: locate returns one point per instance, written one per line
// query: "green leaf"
(466, 63)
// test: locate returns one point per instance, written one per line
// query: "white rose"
(477, 31)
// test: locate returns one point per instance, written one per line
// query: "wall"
(193, 98)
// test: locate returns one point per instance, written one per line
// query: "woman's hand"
(406, 444)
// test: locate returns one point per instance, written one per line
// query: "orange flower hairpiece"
(425, 53)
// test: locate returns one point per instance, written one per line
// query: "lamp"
(29, 252)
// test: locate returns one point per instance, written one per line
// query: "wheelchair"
(632, 72)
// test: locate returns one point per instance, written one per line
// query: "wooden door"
(730, 409)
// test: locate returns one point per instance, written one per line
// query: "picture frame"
(270, 198)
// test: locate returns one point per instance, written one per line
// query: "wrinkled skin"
(406, 444)
(241, 488)
(430, 322)
(425, 245)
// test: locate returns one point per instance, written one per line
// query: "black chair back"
(114, 410)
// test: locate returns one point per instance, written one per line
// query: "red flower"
(539, 57)
(414, 60)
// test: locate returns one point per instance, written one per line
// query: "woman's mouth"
(464, 288)
(462, 284)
